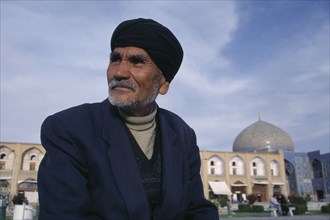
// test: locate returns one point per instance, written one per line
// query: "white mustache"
(122, 83)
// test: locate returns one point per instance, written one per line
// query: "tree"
(251, 198)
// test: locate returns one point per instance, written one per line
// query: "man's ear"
(164, 88)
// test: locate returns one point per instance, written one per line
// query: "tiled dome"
(262, 135)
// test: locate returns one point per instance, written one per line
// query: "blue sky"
(242, 59)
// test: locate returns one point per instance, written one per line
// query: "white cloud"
(54, 55)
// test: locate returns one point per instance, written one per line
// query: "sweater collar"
(139, 123)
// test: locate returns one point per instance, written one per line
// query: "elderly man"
(125, 158)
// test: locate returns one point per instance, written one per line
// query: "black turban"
(157, 40)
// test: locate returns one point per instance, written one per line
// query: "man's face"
(134, 80)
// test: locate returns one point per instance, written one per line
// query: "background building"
(243, 173)
(263, 162)
(308, 174)
(19, 164)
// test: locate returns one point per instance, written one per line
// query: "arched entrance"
(239, 191)
(29, 190)
(260, 190)
(290, 172)
(28, 185)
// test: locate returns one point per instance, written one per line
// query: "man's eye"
(137, 60)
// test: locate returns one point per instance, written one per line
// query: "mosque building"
(19, 165)
(263, 162)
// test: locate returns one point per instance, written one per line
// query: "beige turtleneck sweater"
(143, 129)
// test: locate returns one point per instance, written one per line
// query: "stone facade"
(260, 173)
(19, 164)
(309, 174)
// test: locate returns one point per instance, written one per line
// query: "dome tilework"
(262, 135)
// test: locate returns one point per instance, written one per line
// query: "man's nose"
(122, 70)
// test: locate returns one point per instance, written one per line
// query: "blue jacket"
(90, 172)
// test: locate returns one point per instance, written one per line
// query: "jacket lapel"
(172, 171)
(126, 173)
(123, 165)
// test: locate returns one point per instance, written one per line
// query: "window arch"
(31, 159)
(215, 166)
(3, 156)
(290, 172)
(274, 168)
(257, 167)
(236, 166)
(3, 159)
(6, 158)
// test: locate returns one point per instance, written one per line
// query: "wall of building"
(19, 164)
(311, 174)
(250, 172)
(325, 158)
(253, 172)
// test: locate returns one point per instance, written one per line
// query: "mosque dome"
(262, 136)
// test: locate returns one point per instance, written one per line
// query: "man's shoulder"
(82, 109)
(169, 115)
(81, 116)
(83, 113)
(172, 118)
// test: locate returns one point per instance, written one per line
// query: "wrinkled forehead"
(130, 51)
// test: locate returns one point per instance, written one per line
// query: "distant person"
(273, 203)
(282, 200)
(259, 197)
(25, 201)
(18, 200)
(125, 158)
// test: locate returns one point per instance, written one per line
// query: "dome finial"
(259, 116)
